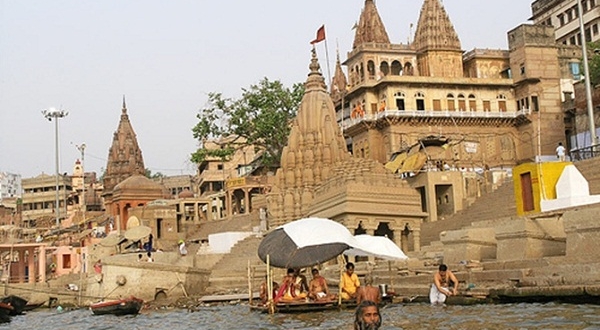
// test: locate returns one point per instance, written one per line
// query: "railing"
(349, 122)
(585, 152)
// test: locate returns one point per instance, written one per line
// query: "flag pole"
(327, 59)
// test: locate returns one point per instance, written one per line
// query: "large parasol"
(376, 246)
(137, 233)
(305, 242)
(112, 240)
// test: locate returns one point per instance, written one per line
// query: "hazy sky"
(165, 56)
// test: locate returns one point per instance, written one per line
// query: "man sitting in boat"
(318, 289)
(264, 297)
(350, 282)
(290, 289)
(368, 292)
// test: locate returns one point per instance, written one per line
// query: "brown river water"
(409, 316)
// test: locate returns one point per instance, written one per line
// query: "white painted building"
(564, 16)
(10, 185)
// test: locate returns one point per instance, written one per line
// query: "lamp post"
(586, 70)
(82, 149)
(53, 113)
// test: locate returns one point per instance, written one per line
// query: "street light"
(56, 114)
(82, 149)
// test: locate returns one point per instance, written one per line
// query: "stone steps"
(497, 204)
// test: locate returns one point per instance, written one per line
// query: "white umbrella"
(376, 246)
(305, 242)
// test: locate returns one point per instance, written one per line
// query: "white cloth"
(435, 296)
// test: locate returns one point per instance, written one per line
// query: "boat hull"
(129, 306)
(16, 302)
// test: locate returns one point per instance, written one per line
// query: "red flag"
(320, 35)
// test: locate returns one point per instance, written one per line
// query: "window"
(535, 104)
(437, 105)
(396, 68)
(399, 101)
(420, 101)
(522, 69)
(588, 35)
(472, 103)
(371, 69)
(486, 106)
(385, 68)
(462, 106)
(575, 70)
(572, 41)
(66, 261)
(450, 102)
(561, 19)
(595, 29)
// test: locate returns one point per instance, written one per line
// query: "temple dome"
(137, 182)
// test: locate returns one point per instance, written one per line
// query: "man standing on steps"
(560, 152)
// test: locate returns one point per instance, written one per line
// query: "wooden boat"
(32, 306)
(16, 302)
(5, 311)
(131, 305)
(314, 306)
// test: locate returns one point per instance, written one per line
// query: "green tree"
(151, 175)
(594, 62)
(260, 117)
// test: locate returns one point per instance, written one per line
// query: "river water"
(409, 316)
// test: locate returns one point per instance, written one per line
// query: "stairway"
(497, 204)
(591, 171)
(229, 275)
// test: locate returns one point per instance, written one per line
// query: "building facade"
(10, 185)
(563, 15)
(39, 197)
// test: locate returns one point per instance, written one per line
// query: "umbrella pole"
(391, 277)
(342, 263)
(250, 278)
(270, 302)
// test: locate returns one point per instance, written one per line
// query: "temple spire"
(435, 30)
(339, 82)
(370, 27)
(124, 109)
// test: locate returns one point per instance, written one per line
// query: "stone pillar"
(42, 263)
(371, 232)
(417, 239)
(21, 266)
(31, 265)
(229, 203)
(246, 201)
(196, 212)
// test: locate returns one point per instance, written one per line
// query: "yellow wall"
(544, 177)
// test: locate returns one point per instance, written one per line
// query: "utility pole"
(588, 87)
(53, 113)
(81, 148)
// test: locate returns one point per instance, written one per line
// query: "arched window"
(420, 101)
(361, 72)
(396, 68)
(384, 67)
(462, 104)
(408, 69)
(371, 69)
(450, 102)
(472, 103)
(400, 104)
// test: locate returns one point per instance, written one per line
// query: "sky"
(83, 56)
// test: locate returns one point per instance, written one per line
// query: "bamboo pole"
(250, 278)
(270, 303)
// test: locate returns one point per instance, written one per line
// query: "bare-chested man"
(368, 292)
(440, 289)
(318, 289)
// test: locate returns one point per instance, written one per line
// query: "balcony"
(409, 114)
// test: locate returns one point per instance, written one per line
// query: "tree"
(260, 118)
(594, 62)
(151, 175)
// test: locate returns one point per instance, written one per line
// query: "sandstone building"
(483, 109)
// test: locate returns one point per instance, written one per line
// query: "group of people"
(295, 287)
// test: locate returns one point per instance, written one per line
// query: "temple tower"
(315, 144)
(124, 156)
(439, 53)
(370, 28)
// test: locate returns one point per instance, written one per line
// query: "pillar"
(228, 203)
(246, 201)
(21, 266)
(417, 239)
(31, 265)
(42, 263)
